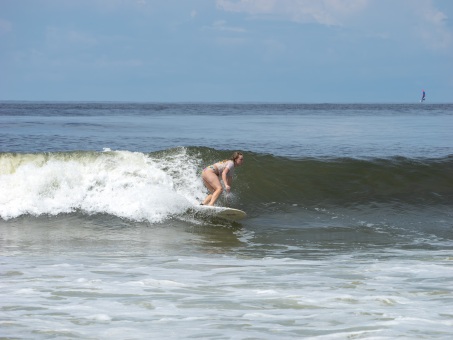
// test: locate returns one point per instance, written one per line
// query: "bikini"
(218, 169)
(213, 168)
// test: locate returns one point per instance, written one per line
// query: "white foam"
(126, 184)
(100, 317)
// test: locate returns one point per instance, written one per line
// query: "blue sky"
(307, 51)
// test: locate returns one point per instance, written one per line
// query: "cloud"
(221, 25)
(401, 20)
(325, 12)
(431, 25)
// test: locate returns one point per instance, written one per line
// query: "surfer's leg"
(212, 182)
(207, 199)
(216, 194)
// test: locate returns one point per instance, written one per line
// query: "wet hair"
(236, 155)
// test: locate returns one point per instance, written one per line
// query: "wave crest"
(156, 186)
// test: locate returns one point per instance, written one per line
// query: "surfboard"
(223, 212)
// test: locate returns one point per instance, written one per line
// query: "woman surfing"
(222, 170)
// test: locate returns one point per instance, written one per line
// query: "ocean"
(349, 233)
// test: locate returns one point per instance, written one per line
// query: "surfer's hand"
(227, 188)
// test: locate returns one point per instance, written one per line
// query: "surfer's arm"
(227, 179)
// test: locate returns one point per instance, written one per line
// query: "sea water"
(349, 230)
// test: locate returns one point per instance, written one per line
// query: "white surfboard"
(223, 212)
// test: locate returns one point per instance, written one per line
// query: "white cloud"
(401, 20)
(326, 12)
(431, 25)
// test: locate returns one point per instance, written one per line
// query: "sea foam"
(130, 185)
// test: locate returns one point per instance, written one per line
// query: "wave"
(350, 181)
(127, 184)
(156, 186)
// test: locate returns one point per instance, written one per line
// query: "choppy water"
(349, 230)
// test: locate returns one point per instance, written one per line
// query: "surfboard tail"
(223, 212)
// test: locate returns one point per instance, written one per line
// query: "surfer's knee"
(219, 189)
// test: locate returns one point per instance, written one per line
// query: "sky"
(295, 51)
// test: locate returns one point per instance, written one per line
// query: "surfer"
(423, 96)
(222, 170)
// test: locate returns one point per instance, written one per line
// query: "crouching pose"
(222, 170)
